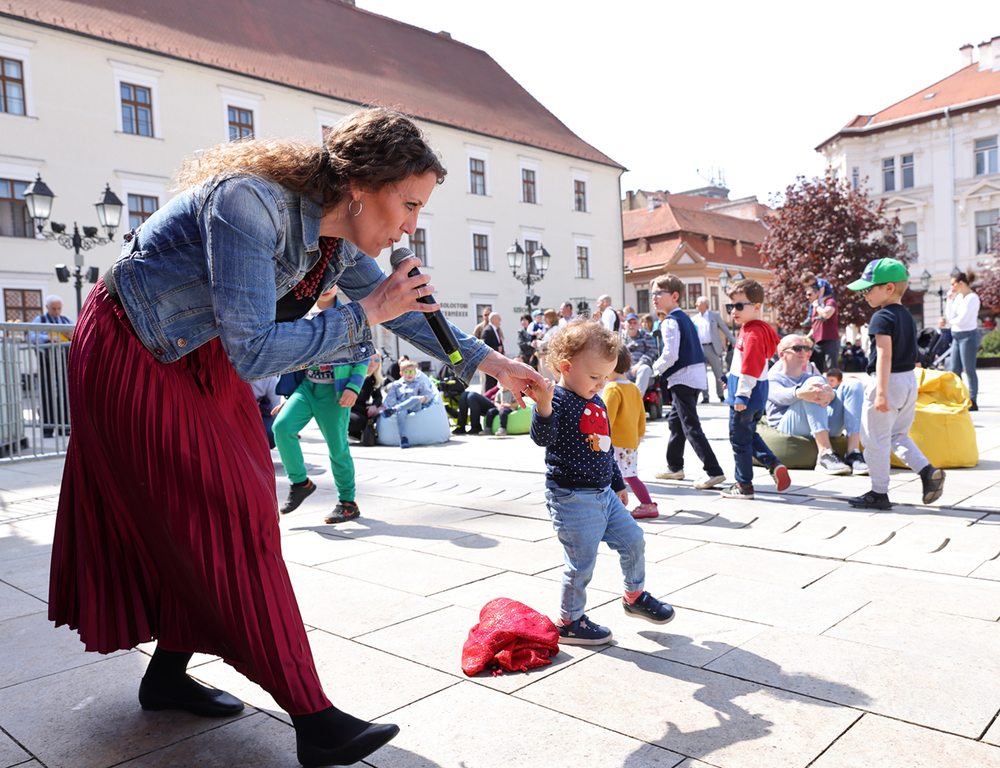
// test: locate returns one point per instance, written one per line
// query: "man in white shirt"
(711, 331)
(607, 314)
(565, 313)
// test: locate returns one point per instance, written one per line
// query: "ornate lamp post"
(109, 213)
(534, 270)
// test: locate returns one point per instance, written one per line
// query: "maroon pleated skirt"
(167, 526)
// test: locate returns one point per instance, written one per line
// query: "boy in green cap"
(891, 394)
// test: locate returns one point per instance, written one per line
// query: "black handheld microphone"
(442, 331)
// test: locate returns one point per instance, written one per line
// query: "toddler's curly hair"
(580, 335)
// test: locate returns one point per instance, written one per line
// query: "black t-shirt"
(896, 322)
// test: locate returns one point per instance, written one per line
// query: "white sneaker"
(830, 463)
(708, 481)
(667, 474)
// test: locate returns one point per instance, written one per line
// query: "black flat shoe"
(214, 703)
(374, 737)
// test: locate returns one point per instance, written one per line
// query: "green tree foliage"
(825, 227)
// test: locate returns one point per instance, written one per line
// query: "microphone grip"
(440, 327)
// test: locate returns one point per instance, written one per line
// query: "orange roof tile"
(325, 47)
(965, 90)
(669, 218)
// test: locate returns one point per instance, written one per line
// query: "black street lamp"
(534, 269)
(109, 213)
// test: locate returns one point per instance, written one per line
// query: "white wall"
(932, 201)
(71, 137)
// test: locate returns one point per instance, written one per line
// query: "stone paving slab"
(256, 740)
(500, 552)
(767, 603)
(697, 713)
(875, 740)
(951, 696)
(439, 730)
(919, 631)
(755, 564)
(416, 572)
(10, 753)
(29, 574)
(941, 548)
(976, 598)
(79, 718)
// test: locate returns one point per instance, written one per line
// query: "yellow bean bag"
(942, 428)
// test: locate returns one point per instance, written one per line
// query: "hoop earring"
(360, 207)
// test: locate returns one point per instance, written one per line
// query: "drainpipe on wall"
(951, 150)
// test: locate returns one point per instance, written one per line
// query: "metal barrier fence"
(34, 410)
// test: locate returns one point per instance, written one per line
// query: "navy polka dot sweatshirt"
(577, 440)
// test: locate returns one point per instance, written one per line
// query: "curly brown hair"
(371, 148)
(580, 335)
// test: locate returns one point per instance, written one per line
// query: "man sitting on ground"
(803, 404)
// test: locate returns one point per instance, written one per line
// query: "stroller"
(933, 348)
(451, 388)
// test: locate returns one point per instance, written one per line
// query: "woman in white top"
(961, 314)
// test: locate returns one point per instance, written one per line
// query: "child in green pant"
(326, 394)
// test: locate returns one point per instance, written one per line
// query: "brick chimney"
(966, 53)
(985, 56)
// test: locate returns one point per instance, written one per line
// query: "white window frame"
(889, 169)
(477, 153)
(903, 166)
(324, 119)
(995, 150)
(233, 97)
(584, 176)
(140, 184)
(581, 242)
(424, 223)
(915, 235)
(16, 48)
(20, 169)
(481, 229)
(146, 77)
(991, 229)
(528, 165)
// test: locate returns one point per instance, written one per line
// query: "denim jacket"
(215, 259)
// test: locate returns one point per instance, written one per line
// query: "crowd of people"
(167, 526)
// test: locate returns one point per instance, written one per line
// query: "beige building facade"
(109, 100)
(933, 157)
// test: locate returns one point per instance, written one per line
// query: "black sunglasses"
(798, 348)
(739, 305)
(864, 291)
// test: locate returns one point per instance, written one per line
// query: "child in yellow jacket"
(627, 417)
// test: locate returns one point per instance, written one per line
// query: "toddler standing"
(627, 417)
(747, 389)
(584, 490)
(891, 395)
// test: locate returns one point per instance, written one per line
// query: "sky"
(682, 94)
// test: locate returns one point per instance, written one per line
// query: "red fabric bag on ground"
(510, 636)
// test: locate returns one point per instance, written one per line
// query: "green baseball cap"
(880, 271)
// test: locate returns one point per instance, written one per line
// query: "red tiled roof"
(329, 48)
(670, 218)
(662, 250)
(969, 88)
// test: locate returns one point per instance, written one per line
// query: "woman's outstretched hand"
(398, 294)
(516, 376)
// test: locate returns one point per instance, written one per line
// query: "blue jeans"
(747, 444)
(583, 518)
(404, 409)
(964, 346)
(842, 415)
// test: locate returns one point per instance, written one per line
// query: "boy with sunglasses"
(747, 390)
(682, 365)
(891, 395)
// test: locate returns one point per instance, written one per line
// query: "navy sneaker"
(583, 632)
(649, 608)
(871, 500)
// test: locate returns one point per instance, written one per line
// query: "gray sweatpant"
(889, 432)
